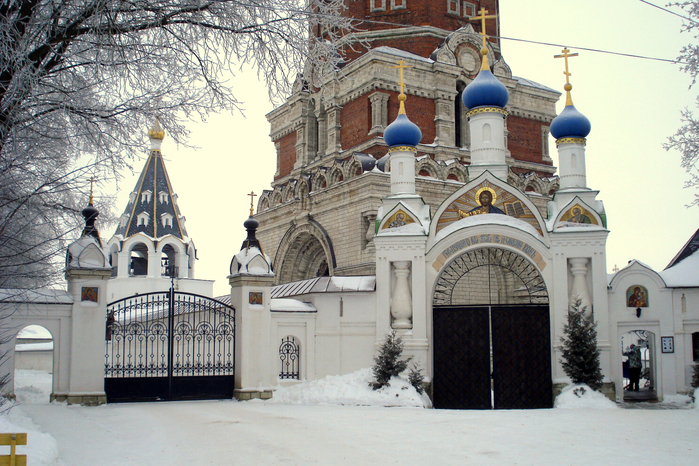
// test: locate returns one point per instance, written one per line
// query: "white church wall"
(119, 288)
(54, 317)
(340, 337)
(301, 326)
(685, 305)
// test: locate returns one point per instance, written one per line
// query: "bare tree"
(686, 139)
(80, 80)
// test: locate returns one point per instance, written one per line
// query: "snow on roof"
(687, 250)
(530, 83)
(42, 295)
(325, 285)
(487, 219)
(291, 305)
(402, 54)
(34, 332)
(684, 273)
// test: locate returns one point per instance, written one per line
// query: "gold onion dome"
(156, 131)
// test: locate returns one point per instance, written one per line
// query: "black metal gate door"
(521, 357)
(461, 358)
(169, 346)
(518, 371)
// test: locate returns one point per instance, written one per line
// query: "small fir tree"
(415, 377)
(695, 375)
(388, 362)
(580, 357)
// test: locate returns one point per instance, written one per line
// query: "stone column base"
(244, 394)
(95, 399)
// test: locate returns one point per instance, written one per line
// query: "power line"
(514, 39)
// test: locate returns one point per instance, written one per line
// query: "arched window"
(168, 262)
(289, 356)
(139, 260)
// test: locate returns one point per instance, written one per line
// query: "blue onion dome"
(570, 123)
(402, 132)
(485, 91)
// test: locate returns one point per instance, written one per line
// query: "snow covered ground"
(339, 421)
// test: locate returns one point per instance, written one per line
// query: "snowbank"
(580, 396)
(351, 389)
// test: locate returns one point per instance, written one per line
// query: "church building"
(449, 225)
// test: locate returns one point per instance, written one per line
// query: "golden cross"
(92, 180)
(483, 12)
(401, 66)
(252, 198)
(565, 56)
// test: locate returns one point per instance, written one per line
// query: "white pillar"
(579, 290)
(401, 301)
(87, 347)
(252, 336)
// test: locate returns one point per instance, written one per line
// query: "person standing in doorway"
(635, 366)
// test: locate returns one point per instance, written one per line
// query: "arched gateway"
(491, 333)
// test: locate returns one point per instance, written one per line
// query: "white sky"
(633, 105)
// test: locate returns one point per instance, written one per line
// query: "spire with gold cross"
(402, 134)
(482, 16)
(402, 97)
(568, 87)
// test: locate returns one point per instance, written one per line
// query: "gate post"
(87, 273)
(251, 282)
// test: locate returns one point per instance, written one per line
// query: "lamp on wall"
(638, 312)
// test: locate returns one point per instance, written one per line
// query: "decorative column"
(444, 122)
(579, 290)
(300, 147)
(379, 112)
(333, 130)
(322, 133)
(401, 301)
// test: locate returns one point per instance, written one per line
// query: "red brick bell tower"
(440, 42)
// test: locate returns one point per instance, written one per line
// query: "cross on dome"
(482, 16)
(252, 198)
(401, 66)
(568, 87)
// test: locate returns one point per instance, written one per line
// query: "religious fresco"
(637, 296)
(89, 293)
(579, 215)
(487, 198)
(255, 297)
(398, 219)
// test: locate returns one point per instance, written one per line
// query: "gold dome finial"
(483, 15)
(568, 86)
(156, 131)
(402, 97)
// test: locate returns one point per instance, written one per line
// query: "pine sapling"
(415, 377)
(388, 362)
(580, 355)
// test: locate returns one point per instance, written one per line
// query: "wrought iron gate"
(506, 349)
(169, 346)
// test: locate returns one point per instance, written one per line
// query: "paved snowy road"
(257, 433)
